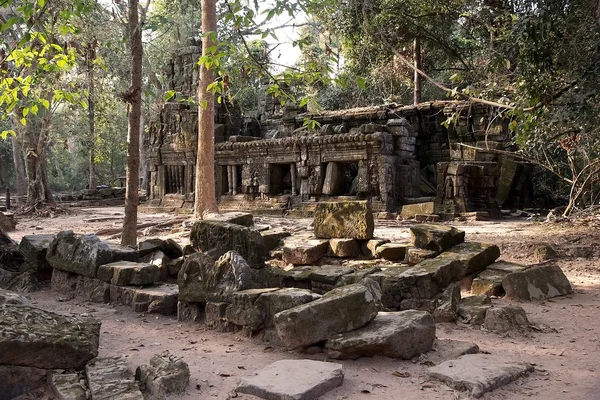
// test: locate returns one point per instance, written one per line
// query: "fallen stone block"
(190, 312)
(344, 248)
(328, 274)
(34, 249)
(174, 266)
(110, 378)
(68, 387)
(304, 251)
(273, 238)
(403, 334)
(348, 220)
(220, 237)
(343, 309)
(71, 285)
(448, 349)
(215, 316)
(392, 251)
(412, 210)
(125, 273)
(158, 299)
(32, 337)
(356, 276)
(414, 255)
(391, 282)
(537, 283)
(241, 311)
(474, 256)
(270, 303)
(18, 282)
(505, 319)
(544, 252)
(430, 277)
(233, 217)
(369, 247)
(447, 304)
(427, 218)
(123, 253)
(16, 381)
(490, 280)
(436, 237)
(293, 379)
(202, 279)
(478, 373)
(428, 305)
(163, 376)
(473, 314)
(161, 261)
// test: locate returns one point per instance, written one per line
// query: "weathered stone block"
(344, 248)
(241, 310)
(124, 273)
(403, 334)
(504, 319)
(67, 387)
(158, 299)
(34, 249)
(234, 217)
(436, 237)
(164, 375)
(474, 256)
(415, 255)
(369, 247)
(411, 210)
(349, 220)
(270, 303)
(79, 254)
(273, 238)
(342, 310)
(537, 283)
(304, 251)
(13, 298)
(15, 381)
(110, 378)
(429, 278)
(447, 306)
(219, 237)
(392, 251)
(32, 337)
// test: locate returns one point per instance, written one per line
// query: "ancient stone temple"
(391, 155)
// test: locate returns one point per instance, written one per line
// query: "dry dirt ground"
(564, 344)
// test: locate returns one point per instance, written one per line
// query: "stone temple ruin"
(390, 155)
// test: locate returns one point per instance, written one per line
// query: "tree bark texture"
(91, 55)
(134, 98)
(205, 200)
(20, 180)
(418, 90)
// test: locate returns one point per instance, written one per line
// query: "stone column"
(234, 180)
(230, 179)
(293, 175)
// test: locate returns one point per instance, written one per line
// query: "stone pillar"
(234, 180)
(293, 174)
(230, 179)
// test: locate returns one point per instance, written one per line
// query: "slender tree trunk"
(143, 151)
(134, 98)
(205, 200)
(20, 180)
(91, 115)
(418, 90)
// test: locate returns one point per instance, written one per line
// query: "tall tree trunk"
(205, 200)
(418, 90)
(134, 98)
(35, 140)
(20, 180)
(143, 151)
(91, 51)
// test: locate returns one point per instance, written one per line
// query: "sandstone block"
(537, 283)
(344, 248)
(163, 376)
(273, 238)
(110, 378)
(505, 319)
(411, 210)
(34, 249)
(348, 220)
(16, 381)
(125, 273)
(474, 256)
(304, 251)
(369, 247)
(392, 251)
(67, 387)
(436, 237)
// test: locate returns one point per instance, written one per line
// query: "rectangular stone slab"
(123, 273)
(348, 220)
(478, 373)
(537, 283)
(110, 378)
(293, 380)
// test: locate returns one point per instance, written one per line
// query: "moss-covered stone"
(349, 220)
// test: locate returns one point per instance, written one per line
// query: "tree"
(205, 200)
(134, 99)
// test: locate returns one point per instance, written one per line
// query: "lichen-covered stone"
(163, 376)
(220, 237)
(9, 297)
(273, 238)
(411, 210)
(34, 248)
(504, 319)
(490, 280)
(234, 217)
(156, 299)
(391, 282)
(537, 283)
(241, 310)
(344, 248)
(67, 387)
(110, 378)
(37, 338)
(474, 256)
(403, 334)
(125, 273)
(392, 251)
(343, 309)
(328, 274)
(447, 305)
(300, 251)
(436, 237)
(414, 255)
(349, 220)
(429, 278)
(202, 279)
(161, 261)
(25, 282)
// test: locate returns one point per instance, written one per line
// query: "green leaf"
(169, 95)
(204, 104)
(360, 81)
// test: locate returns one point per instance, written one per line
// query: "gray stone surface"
(505, 319)
(110, 378)
(436, 237)
(202, 279)
(478, 373)
(234, 217)
(293, 380)
(34, 248)
(36, 338)
(403, 334)
(15, 381)
(161, 261)
(125, 273)
(537, 283)
(473, 314)
(343, 309)
(156, 299)
(273, 238)
(163, 376)
(429, 278)
(68, 387)
(490, 280)
(348, 220)
(474, 256)
(9, 297)
(447, 305)
(304, 251)
(448, 349)
(25, 282)
(271, 303)
(221, 237)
